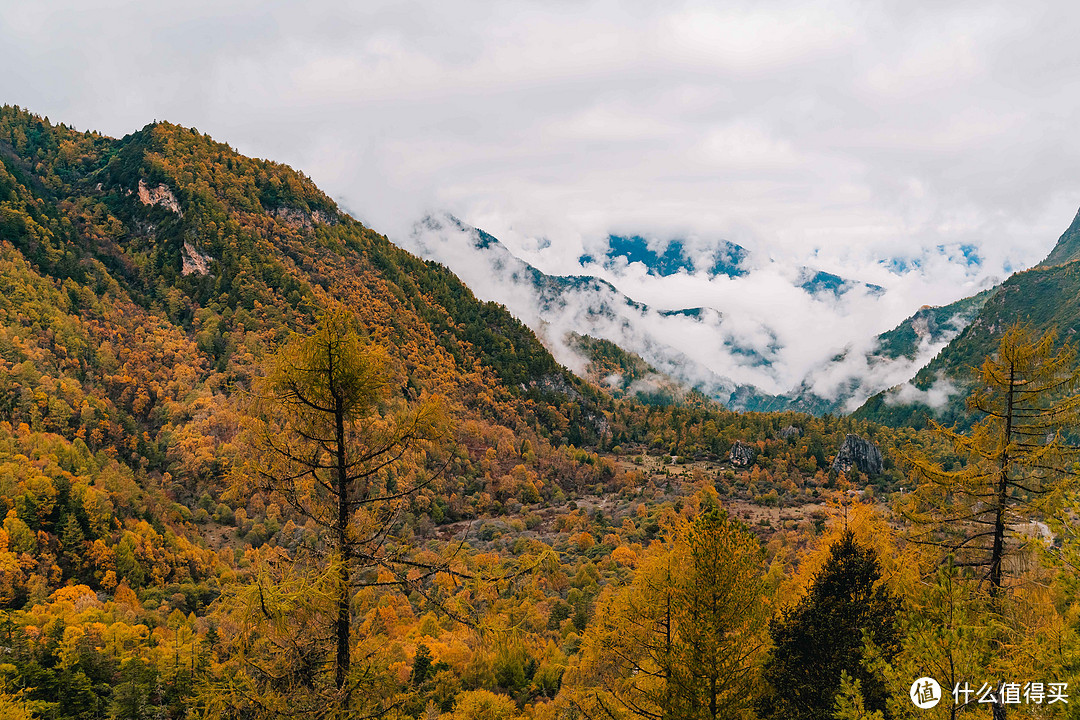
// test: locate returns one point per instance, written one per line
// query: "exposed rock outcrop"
(860, 454)
(789, 432)
(300, 220)
(741, 454)
(160, 195)
(318, 216)
(194, 261)
(552, 383)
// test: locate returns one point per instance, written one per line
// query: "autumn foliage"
(160, 556)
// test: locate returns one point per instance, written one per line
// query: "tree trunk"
(342, 626)
(667, 646)
(713, 669)
(1002, 493)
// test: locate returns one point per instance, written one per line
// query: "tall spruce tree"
(1017, 463)
(822, 637)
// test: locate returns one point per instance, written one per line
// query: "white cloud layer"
(827, 134)
(761, 330)
(936, 396)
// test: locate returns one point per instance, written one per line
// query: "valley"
(257, 461)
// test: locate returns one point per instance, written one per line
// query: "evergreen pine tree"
(335, 444)
(421, 664)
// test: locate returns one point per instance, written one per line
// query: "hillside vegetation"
(1046, 297)
(149, 287)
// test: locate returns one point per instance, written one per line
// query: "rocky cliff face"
(194, 261)
(301, 220)
(790, 432)
(552, 383)
(860, 454)
(160, 195)
(741, 454)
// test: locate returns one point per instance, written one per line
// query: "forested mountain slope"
(144, 283)
(1047, 297)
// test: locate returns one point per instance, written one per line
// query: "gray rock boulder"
(860, 454)
(741, 454)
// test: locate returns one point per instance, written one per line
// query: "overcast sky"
(839, 132)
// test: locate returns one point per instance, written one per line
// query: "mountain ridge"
(557, 305)
(1044, 296)
(1067, 247)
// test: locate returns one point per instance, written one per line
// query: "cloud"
(691, 347)
(861, 373)
(761, 329)
(936, 396)
(834, 135)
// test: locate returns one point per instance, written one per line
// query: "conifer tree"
(1017, 460)
(821, 638)
(682, 641)
(950, 632)
(342, 452)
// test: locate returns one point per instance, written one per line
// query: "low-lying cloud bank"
(765, 331)
(936, 396)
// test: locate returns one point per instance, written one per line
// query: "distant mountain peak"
(729, 356)
(1067, 248)
(663, 258)
(820, 282)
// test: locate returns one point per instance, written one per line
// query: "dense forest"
(258, 462)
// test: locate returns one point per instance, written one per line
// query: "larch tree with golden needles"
(1017, 463)
(683, 639)
(343, 452)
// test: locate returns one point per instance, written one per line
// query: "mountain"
(558, 307)
(664, 258)
(701, 348)
(931, 325)
(147, 282)
(1067, 248)
(897, 352)
(819, 281)
(228, 250)
(723, 258)
(1046, 297)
